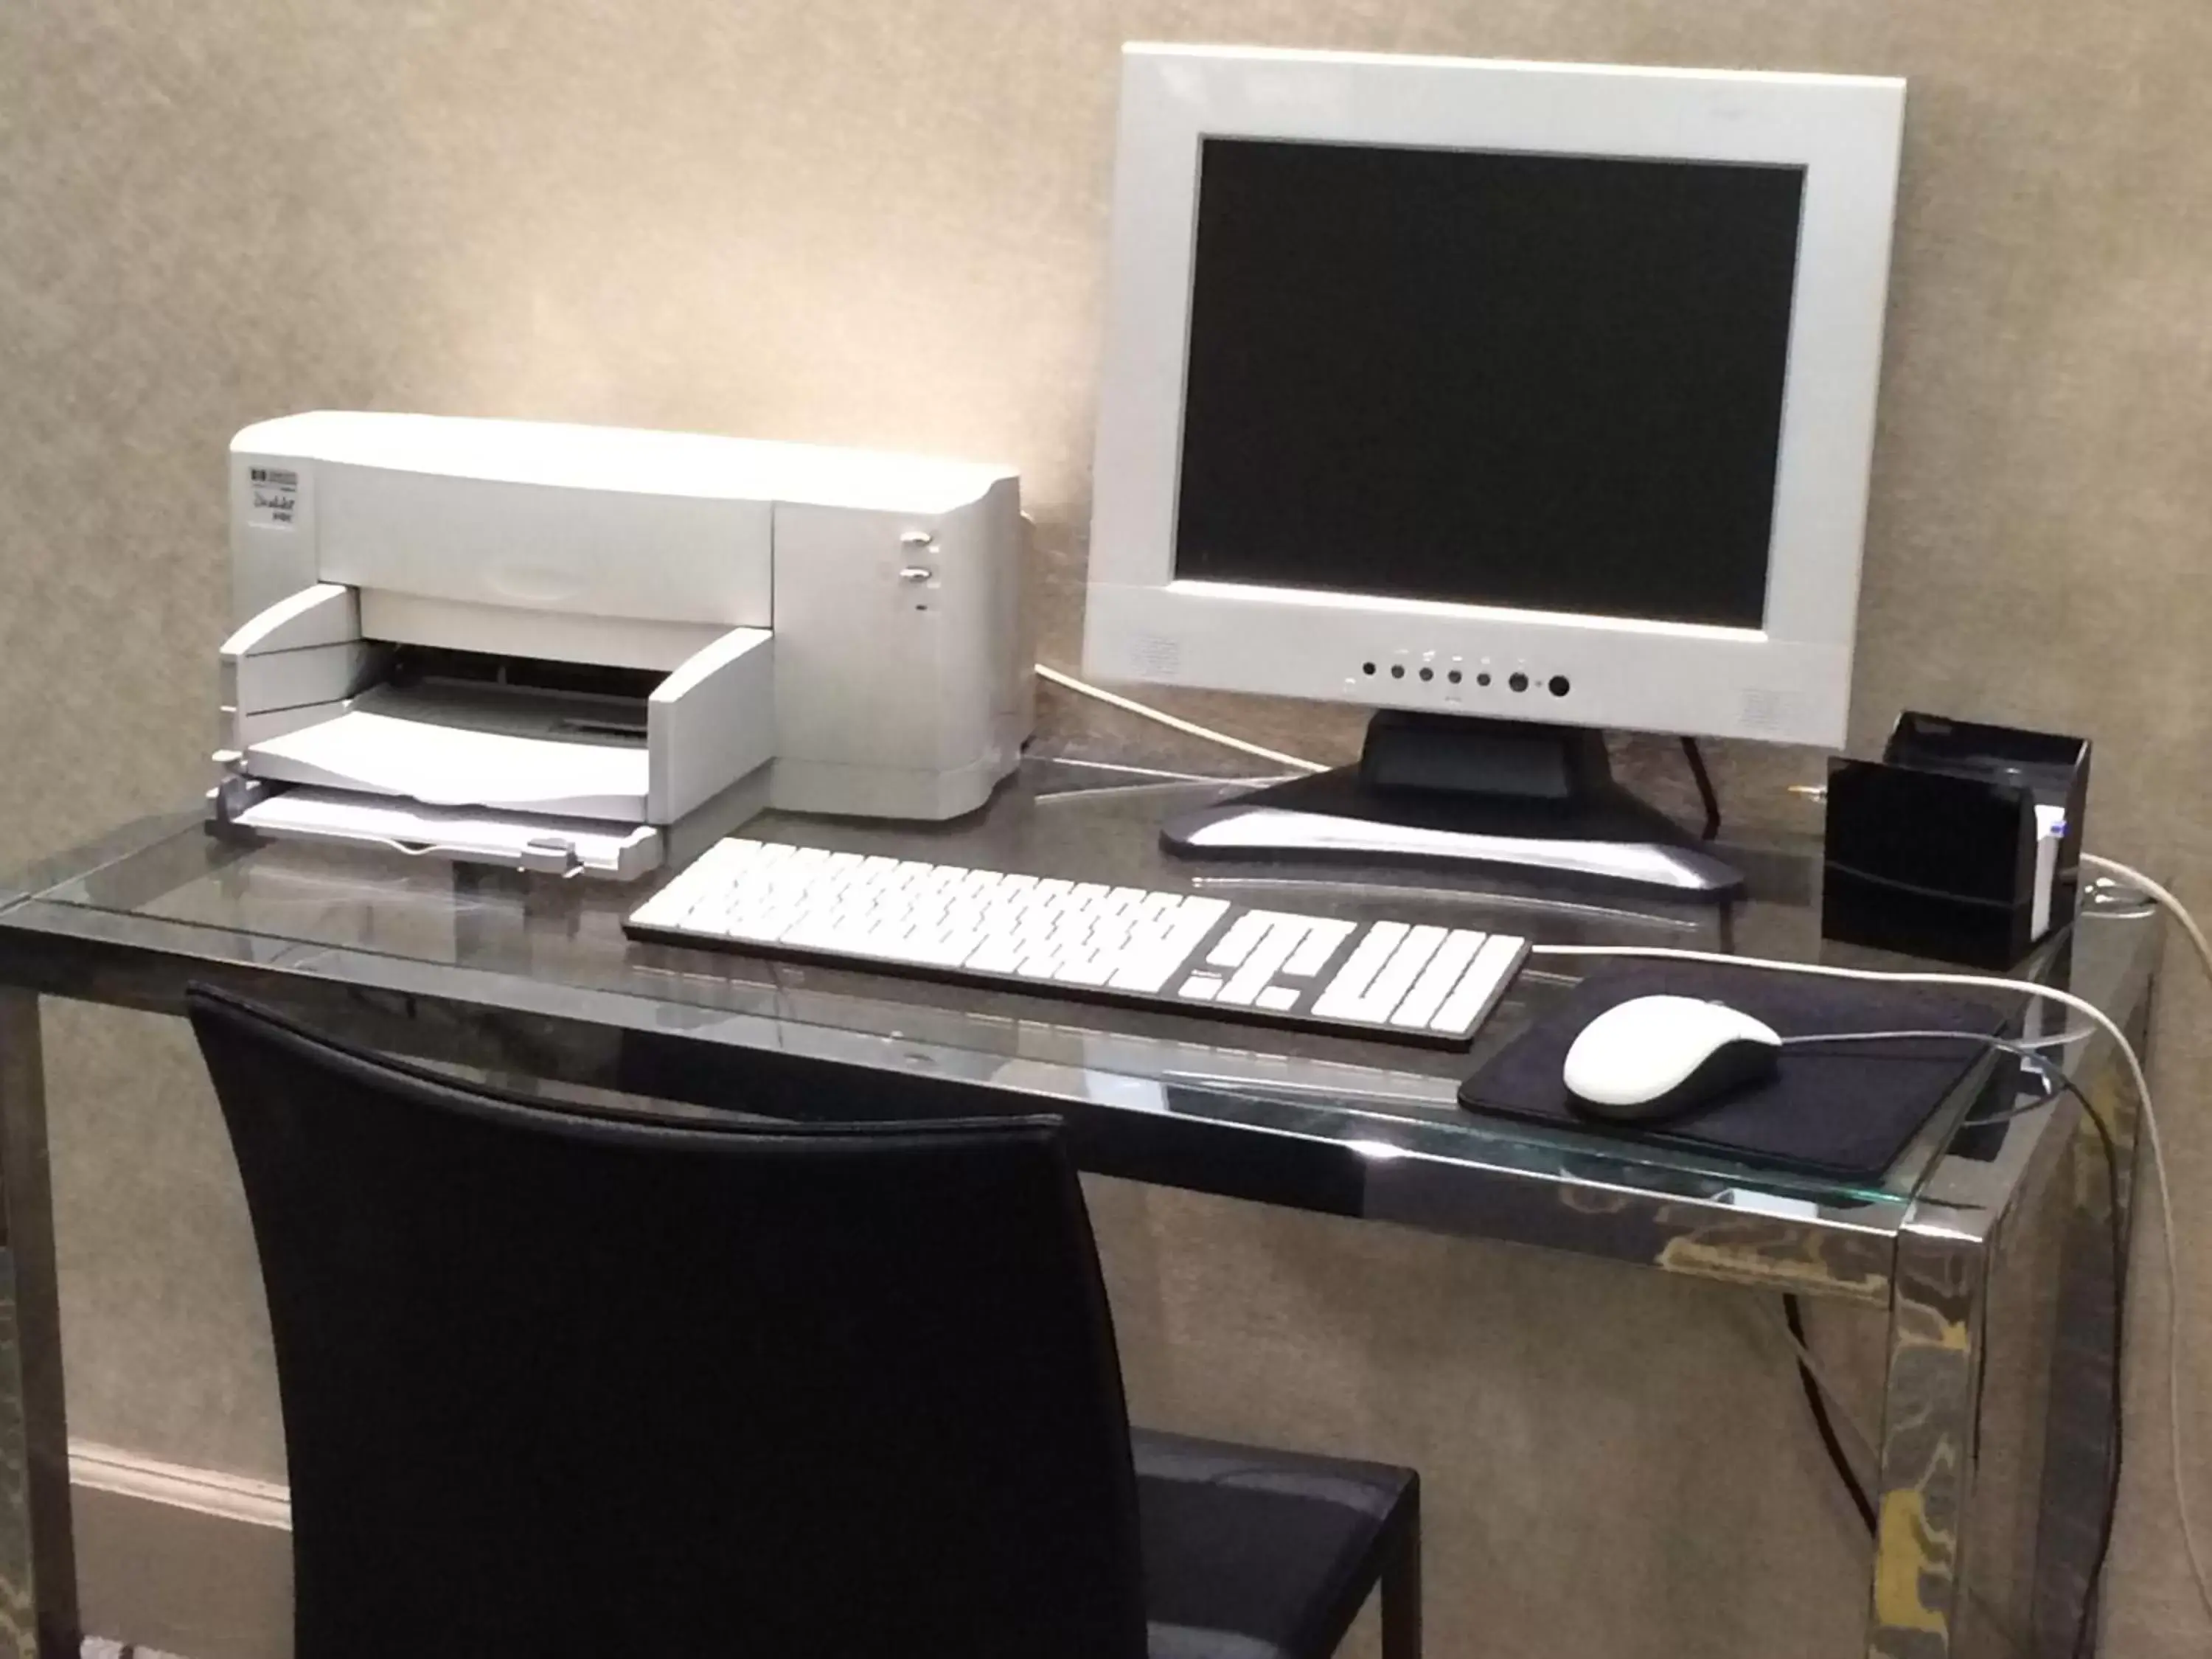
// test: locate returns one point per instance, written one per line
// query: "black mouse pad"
(1846, 1110)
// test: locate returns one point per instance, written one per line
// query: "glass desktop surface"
(168, 893)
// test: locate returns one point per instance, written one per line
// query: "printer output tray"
(527, 841)
(516, 840)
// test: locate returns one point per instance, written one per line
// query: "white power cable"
(2173, 907)
(1161, 717)
(2017, 1046)
(2136, 1075)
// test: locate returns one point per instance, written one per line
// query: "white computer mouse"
(1653, 1058)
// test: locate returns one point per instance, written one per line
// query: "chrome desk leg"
(38, 1558)
(2078, 1431)
(1930, 1413)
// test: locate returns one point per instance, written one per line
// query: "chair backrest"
(556, 1384)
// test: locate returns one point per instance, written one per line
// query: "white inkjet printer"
(591, 650)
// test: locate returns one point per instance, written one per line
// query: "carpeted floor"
(96, 1649)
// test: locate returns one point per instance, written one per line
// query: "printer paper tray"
(516, 840)
(385, 745)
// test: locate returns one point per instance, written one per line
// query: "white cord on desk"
(2174, 908)
(2022, 1045)
(1161, 717)
(2158, 896)
(2142, 1081)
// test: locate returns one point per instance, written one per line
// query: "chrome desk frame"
(667, 1033)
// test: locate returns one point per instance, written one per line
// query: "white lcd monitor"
(1515, 392)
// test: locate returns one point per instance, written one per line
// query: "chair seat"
(1257, 1554)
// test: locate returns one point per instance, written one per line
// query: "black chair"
(558, 1385)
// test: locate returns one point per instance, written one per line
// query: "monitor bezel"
(1787, 681)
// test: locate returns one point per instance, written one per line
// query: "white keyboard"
(1205, 956)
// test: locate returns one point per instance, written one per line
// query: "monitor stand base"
(1457, 792)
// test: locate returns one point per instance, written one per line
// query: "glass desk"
(530, 977)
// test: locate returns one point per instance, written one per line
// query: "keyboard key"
(1390, 987)
(1150, 966)
(1437, 978)
(1243, 933)
(1344, 992)
(1284, 933)
(953, 948)
(996, 955)
(666, 909)
(1494, 964)
(1319, 944)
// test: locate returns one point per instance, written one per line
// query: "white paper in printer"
(456, 766)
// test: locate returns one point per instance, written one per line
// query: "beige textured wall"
(883, 223)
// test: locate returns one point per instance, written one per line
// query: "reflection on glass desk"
(1319, 1121)
(531, 979)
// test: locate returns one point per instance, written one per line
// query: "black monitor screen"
(1548, 382)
